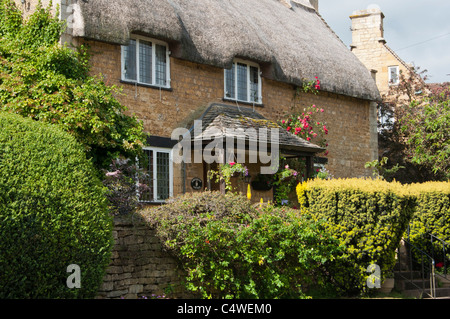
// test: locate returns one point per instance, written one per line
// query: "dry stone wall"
(139, 267)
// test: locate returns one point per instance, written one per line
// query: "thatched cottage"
(179, 61)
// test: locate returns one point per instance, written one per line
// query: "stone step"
(420, 288)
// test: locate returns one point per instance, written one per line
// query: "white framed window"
(146, 61)
(158, 175)
(243, 82)
(394, 75)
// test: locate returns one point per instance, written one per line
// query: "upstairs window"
(394, 75)
(243, 82)
(146, 61)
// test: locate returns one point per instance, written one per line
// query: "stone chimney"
(315, 4)
(367, 27)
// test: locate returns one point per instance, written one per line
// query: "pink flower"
(232, 163)
(308, 138)
(288, 128)
(115, 173)
(283, 121)
(321, 110)
(286, 167)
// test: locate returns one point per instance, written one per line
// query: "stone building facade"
(370, 46)
(193, 83)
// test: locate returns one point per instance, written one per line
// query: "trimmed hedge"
(368, 216)
(431, 214)
(53, 213)
(231, 249)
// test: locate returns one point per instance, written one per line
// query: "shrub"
(123, 183)
(53, 213)
(431, 214)
(369, 217)
(231, 249)
(52, 83)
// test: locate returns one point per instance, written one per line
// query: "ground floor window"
(158, 175)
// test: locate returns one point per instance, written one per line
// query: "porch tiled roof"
(243, 123)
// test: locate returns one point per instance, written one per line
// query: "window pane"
(394, 75)
(242, 82)
(254, 87)
(130, 61)
(229, 83)
(162, 169)
(160, 65)
(147, 193)
(145, 62)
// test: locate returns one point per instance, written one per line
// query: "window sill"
(151, 86)
(242, 102)
(145, 202)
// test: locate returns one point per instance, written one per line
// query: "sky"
(417, 30)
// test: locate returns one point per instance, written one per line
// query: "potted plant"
(388, 284)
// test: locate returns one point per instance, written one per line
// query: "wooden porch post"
(309, 167)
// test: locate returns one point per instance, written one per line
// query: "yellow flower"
(249, 192)
(261, 260)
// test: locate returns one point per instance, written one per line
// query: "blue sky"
(417, 30)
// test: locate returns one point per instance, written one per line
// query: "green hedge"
(231, 249)
(368, 216)
(53, 213)
(431, 215)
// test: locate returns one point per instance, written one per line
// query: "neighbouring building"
(232, 64)
(369, 45)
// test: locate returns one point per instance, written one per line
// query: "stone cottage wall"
(139, 267)
(351, 121)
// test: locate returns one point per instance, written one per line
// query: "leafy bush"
(231, 249)
(368, 217)
(431, 214)
(53, 213)
(122, 181)
(50, 82)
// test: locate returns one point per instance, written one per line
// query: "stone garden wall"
(139, 267)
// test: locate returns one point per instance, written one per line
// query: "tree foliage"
(414, 131)
(50, 82)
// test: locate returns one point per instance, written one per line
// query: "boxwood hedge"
(368, 216)
(53, 213)
(431, 216)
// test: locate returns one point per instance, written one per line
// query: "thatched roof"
(289, 39)
(243, 123)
